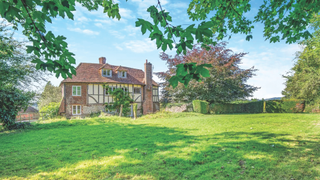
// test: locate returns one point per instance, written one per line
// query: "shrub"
(12, 100)
(19, 125)
(200, 106)
(95, 114)
(312, 108)
(50, 111)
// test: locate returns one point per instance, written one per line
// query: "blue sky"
(92, 35)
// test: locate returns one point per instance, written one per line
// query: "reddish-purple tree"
(227, 81)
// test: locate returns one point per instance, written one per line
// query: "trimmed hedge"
(285, 106)
(200, 106)
(275, 106)
(251, 107)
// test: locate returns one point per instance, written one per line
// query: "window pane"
(137, 90)
(78, 90)
(79, 109)
(74, 110)
(74, 90)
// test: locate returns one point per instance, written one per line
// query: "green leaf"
(65, 3)
(205, 72)
(174, 81)
(249, 37)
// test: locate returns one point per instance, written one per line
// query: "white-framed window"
(107, 72)
(122, 74)
(76, 90)
(76, 110)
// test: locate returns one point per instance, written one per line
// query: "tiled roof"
(29, 110)
(91, 73)
(120, 68)
(106, 66)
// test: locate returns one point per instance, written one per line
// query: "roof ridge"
(112, 65)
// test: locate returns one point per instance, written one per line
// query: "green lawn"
(166, 146)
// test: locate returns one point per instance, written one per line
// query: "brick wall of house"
(75, 100)
(62, 108)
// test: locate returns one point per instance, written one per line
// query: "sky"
(93, 34)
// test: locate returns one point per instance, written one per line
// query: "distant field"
(166, 146)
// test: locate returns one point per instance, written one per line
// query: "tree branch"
(167, 24)
(38, 31)
(235, 10)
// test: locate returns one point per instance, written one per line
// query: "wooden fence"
(27, 116)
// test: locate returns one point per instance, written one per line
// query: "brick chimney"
(102, 60)
(148, 98)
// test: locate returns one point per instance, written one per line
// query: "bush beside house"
(49, 111)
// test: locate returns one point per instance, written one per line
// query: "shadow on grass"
(52, 147)
(96, 149)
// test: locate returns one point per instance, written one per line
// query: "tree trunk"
(120, 110)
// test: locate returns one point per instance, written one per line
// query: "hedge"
(275, 106)
(200, 106)
(285, 106)
(251, 107)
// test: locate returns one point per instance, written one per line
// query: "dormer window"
(106, 72)
(122, 74)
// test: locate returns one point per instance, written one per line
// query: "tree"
(226, 81)
(302, 82)
(50, 94)
(287, 18)
(120, 98)
(15, 64)
(17, 76)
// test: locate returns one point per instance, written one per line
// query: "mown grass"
(166, 146)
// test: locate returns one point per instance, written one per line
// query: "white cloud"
(131, 30)
(271, 63)
(82, 19)
(179, 5)
(291, 49)
(84, 31)
(143, 5)
(119, 47)
(104, 21)
(117, 34)
(236, 50)
(98, 25)
(141, 46)
(80, 16)
(126, 13)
